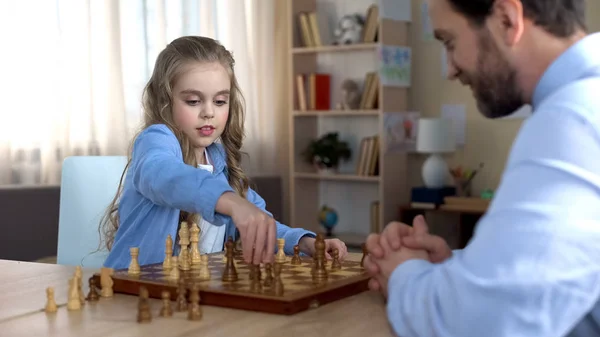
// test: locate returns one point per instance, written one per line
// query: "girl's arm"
(291, 235)
(159, 174)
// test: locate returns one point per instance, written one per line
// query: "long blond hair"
(157, 103)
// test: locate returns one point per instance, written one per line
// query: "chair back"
(88, 185)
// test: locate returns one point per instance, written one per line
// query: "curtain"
(74, 70)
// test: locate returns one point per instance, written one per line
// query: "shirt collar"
(216, 153)
(573, 64)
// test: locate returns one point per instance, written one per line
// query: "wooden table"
(23, 297)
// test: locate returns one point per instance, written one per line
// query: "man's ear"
(508, 21)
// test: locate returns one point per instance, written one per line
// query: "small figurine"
(349, 29)
(350, 95)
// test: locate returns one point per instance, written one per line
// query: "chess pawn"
(134, 266)
(296, 258)
(194, 310)
(280, 256)
(364, 251)
(181, 299)
(230, 273)
(144, 314)
(204, 272)
(194, 239)
(79, 276)
(73, 302)
(93, 292)
(166, 310)
(335, 264)
(106, 282)
(168, 253)
(51, 302)
(277, 282)
(268, 275)
(174, 273)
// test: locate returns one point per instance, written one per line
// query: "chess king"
(178, 172)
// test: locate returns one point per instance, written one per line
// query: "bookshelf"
(365, 199)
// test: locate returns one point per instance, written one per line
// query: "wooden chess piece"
(144, 315)
(181, 299)
(194, 250)
(296, 258)
(79, 277)
(204, 272)
(280, 256)
(174, 273)
(194, 310)
(73, 302)
(277, 282)
(93, 295)
(255, 285)
(134, 266)
(335, 264)
(168, 253)
(230, 273)
(364, 251)
(166, 310)
(106, 282)
(319, 274)
(50, 301)
(268, 275)
(184, 242)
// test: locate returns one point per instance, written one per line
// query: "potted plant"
(326, 152)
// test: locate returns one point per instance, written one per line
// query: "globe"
(328, 218)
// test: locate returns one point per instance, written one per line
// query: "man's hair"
(558, 17)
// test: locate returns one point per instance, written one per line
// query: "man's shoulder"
(579, 99)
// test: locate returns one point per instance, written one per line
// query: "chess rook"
(194, 250)
(168, 252)
(134, 266)
(280, 256)
(184, 242)
(230, 273)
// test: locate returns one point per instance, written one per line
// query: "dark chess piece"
(144, 314)
(319, 274)
(194, 310)
(277, 282)
(93, 294)
(255, 285)
(181, 299)
(296, 258)
(268, 275)
(229, 274)
(335, 264)
(166, 310)
(364, 251)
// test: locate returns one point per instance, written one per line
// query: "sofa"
(29, 217)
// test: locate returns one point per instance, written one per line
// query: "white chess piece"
(204, 273)
(280, 257)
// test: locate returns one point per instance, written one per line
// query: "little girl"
(178, 172)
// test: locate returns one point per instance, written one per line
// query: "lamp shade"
(435, 135)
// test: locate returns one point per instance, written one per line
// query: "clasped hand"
(397, 244)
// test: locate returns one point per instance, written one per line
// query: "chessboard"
(300, 292)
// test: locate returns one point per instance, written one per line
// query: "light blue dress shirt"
(532, 267)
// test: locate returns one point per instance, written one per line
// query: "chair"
(88, 185)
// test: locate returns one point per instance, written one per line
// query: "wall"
(487, 141)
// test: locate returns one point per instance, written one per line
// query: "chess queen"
(185, 166)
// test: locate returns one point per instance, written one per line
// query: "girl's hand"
(257, 229)
(307, 246)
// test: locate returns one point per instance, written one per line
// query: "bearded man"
(532, 267)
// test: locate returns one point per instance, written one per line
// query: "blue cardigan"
(159, 184)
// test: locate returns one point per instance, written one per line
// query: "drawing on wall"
(394, 66)
(400, 130)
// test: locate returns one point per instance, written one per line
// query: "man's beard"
(494, 82)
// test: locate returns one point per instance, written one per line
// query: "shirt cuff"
(292, 238)
(404, 271)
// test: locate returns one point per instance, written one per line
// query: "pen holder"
(463, 186)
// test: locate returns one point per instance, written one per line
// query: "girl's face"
(201, 103)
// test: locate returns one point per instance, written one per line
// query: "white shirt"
(532, 267)
(212, 237)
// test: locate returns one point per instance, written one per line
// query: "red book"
(320, 92)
